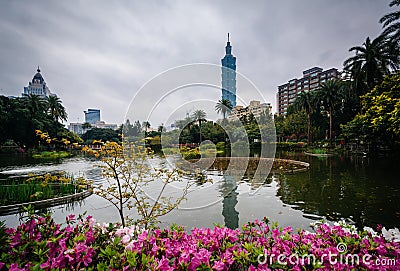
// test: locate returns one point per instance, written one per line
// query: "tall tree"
(21, 117)
(161, 128)
(372, 61)
(224, 107)
(180, 124)
(35, 104)
(308, 102)
(391, 23)
(146, 125)
(55, 108)
(329, 94)
(137, 128)
(199, 115)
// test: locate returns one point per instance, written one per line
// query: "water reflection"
(363, 190)
(229, 194)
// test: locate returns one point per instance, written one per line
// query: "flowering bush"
(127, 172)
(82, 244)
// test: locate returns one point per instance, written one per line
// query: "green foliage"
(391, 23)
(291, 145)
(330, 94)
(52, 154)
(39, 188)
(380, 120)
(55, 109)
(309, 102)
(102, 134)
(199, 116)
(249, 128)
(190, 153)
(21, 117)
(131, 131)
(293, 126)
(127, 173)
(312, 111)
(372, 61)
(316, 150)
(224, 107)
(70, 136)
(220, 146)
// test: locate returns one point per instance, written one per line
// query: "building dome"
(38, 77)
(37, 86)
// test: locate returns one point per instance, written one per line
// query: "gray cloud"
(99, 53)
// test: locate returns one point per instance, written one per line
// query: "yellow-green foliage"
(380, 120)
(39, 187)
(190, 153)
(127, 172)
(51, 154)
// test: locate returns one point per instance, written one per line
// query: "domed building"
(37, 86)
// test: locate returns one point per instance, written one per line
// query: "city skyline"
(99, 55)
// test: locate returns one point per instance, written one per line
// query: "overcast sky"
(98, 54)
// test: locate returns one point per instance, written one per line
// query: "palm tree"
(35, 104)
(372, 61)
(55, 108)
(224, 106)
(391, 23)
(329, 94)
(146, 125)
(307, 101)
(161, 128)
(180, 124)
(199, 115)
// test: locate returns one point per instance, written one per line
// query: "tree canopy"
(380, 121)
(22, 116)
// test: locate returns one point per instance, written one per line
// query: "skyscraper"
(229, 75)
(92, 115)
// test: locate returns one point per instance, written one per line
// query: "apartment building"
(311, 80)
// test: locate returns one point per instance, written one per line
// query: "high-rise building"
(77, 128)
(255, 107)
(311, 80)
(92, 115)
(229, 75)
(37, 86)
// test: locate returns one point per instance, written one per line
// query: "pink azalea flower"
(126, 239)
(15, 267)
(219, 266)
(163, 265)
(70, 217)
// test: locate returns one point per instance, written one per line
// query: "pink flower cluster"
(82, 244)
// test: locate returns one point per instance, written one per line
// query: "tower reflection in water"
(229, 194)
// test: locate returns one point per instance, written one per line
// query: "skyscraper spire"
(229, 75)
(228, 47)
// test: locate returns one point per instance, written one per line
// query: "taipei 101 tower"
(229, 75)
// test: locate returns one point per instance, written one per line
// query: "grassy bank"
(52, 155)
(38, 188)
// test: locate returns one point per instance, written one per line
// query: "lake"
(361, 190)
